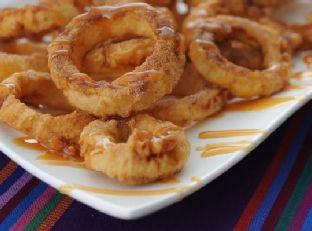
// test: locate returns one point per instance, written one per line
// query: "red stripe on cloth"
(56, 214)
(269, 176)
(18, 198)
(7, 171)
(289, 186)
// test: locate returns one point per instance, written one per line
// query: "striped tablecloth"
(270, 190)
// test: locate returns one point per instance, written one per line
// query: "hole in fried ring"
(37, 19)
(112, 59)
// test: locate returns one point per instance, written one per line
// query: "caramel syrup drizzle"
(68, 188)
(48, 157)
(230, 133)
(215, 149)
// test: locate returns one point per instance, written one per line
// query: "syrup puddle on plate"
(28, 143)
(301, 75)
(195, 179)
(298, 87)
(59, 160)
(49, 158)
(216, 149)
(297, 75)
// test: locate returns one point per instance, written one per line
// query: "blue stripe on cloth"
(23, 205)
(11, 179)
(307, 225)
(14, 189)
(3, 160)
(274, 190)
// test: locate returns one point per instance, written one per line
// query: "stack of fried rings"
(123, 70)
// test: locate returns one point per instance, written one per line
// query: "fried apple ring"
(57, 133)
(23, 47)
(47, 15)
(22, 55)
(192, 100)
(13, 63)
(139, 151)
(240, 81)
(132, 92)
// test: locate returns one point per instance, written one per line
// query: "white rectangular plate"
(237, 131)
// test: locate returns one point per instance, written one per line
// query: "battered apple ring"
(138, 151)
(13, 63)
(31, 20)
(192, 100)
(132, 92)
(240, 81)
(57, 133)
(22, 55)
(23, 47)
